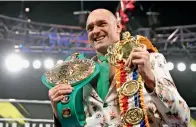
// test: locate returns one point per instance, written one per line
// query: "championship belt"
(129, 90)
(77, 71)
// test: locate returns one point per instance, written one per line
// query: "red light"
(129, 6)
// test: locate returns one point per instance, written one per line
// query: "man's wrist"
(150, 82)
(54, 109)
(56, 122)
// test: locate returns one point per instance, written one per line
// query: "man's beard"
(102, 50)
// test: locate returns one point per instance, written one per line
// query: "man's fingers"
(62, 92)
(58, 88)
(133, 55)
(136, 55)
(138, 62)
(59, 98)
(127, 62)
(140, 49)
(63, 87)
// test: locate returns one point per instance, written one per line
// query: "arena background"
(43, 30)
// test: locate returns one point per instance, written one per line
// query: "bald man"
(163, 103)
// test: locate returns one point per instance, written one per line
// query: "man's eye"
(89, 29)
(102, 24)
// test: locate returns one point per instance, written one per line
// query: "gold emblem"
(133, 116)
(66, 112)
(130, 88)
(121, 50)
(70, 72)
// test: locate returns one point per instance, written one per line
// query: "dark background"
(171, 13)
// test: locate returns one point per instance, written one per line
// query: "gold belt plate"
(70, 72)
(130, 88)
(133, 116)
(121, 50)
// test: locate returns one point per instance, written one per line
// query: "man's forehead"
(97, 17)
(93, 19)
(100, 14)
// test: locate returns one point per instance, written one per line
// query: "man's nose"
(96, 31)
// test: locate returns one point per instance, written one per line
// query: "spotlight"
(27, 9)
(16, 32)
(181, 66)
(25, 63)
(28, 20)
(16, 46)
(59, 61)
(170, 66)
(36, 64)
(14, 63)
(193, 67)
(48, 63)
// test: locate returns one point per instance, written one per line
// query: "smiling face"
(103, 30)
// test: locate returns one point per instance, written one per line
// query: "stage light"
(16, 46)
(181, 66)
(193, 67)
(59, 61)
(28, 20)
(170, 66)
(14, 63)
(25, 63)
(16, 32)
(48, 63)
(36, 64)
(27, 9)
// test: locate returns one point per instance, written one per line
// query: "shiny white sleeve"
(175, 107)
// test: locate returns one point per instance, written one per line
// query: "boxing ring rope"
(28, 119)
(193, 108)
(29, 102)
(25, 101)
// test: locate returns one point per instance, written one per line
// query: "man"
(163, 103)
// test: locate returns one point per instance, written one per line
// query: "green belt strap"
(75, 105)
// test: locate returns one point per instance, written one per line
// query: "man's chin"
(101, 49)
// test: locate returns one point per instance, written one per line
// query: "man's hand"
(57, 93)
(141, 57)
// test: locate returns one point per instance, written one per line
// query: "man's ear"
(119, 27)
